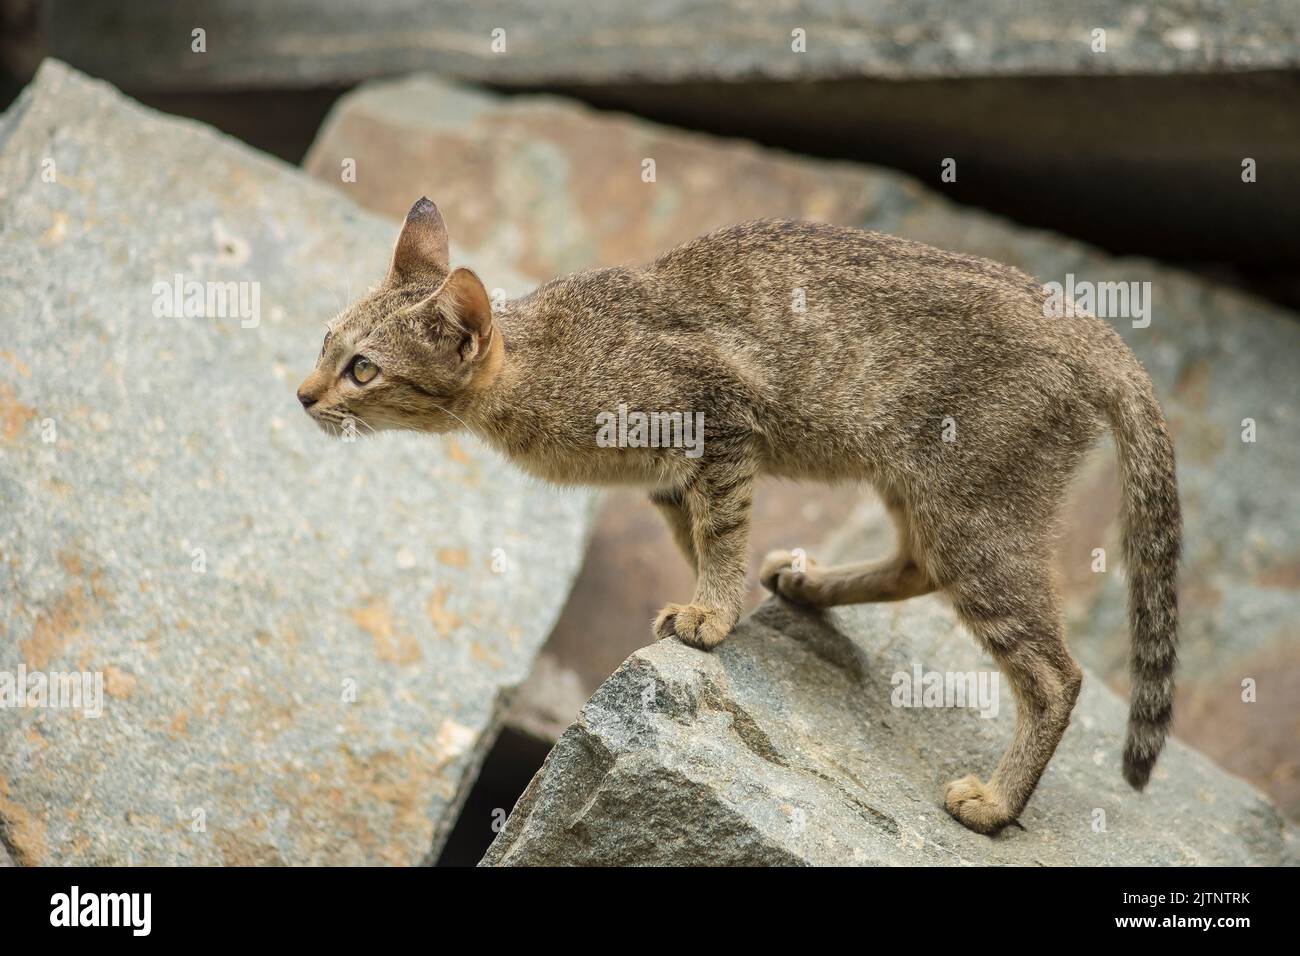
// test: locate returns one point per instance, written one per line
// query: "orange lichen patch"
(147, 821)
(1199, 593)
(23, 368)
(81, 184)
(1285, 575)
(456, 453)
(455, 557)
(390, 645)
(25, 832)
(180, 725)
(483, 655)
(59, 487)
(71, 562)
(237, 851)
(1193, 385)
(346, 793)
(275, 712)
(118, 683)
(58, 230)
(57, 627)
(13, 414)
(444, 620)
(101, 592)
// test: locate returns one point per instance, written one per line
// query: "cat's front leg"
(718, 505)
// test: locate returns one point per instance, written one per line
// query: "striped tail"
(1152, 526)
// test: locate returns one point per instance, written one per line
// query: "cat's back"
(776, 242)
(742, 272)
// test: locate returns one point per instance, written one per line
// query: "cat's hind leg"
(672, 505)
(894, 579)
(1015, 614)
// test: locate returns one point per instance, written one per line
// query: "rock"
(303, 648)
(546, 702)
(333, 43)
(1125, 122)
(783, 748)
(558, 187)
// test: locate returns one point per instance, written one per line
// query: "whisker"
(453, 415)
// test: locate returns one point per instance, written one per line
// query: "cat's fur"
(931, 375)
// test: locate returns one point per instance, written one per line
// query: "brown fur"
(896, 341)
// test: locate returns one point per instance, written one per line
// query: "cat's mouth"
(340, 423)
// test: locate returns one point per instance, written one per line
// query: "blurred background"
(1153, 141)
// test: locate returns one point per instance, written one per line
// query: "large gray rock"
(1134, 141)
(173, 523)
(557, 187)
(334, 42)
(784, 747)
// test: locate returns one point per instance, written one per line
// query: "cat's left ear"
(465, 311)
(421, 252)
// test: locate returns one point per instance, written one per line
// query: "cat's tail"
(1152, 535)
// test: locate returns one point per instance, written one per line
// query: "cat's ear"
(422, 249)
(463, 311)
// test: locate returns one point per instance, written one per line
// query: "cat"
(813, 351)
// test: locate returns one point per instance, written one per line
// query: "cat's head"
(416, 351)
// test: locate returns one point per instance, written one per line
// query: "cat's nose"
(307, 398)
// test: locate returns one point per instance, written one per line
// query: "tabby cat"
(811, 351)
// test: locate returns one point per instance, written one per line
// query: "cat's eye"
(362, 370)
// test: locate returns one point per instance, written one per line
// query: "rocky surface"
(545, 703)
(784, 748)
(1133, 139)
(332, 42)
(304, 644)
(558, 188)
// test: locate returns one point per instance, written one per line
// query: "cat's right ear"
(422, 252)
(460, 311)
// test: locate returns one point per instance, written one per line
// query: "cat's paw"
(975, 806)
(692, 624)
(779, 576)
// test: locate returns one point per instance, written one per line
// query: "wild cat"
(813, 352)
